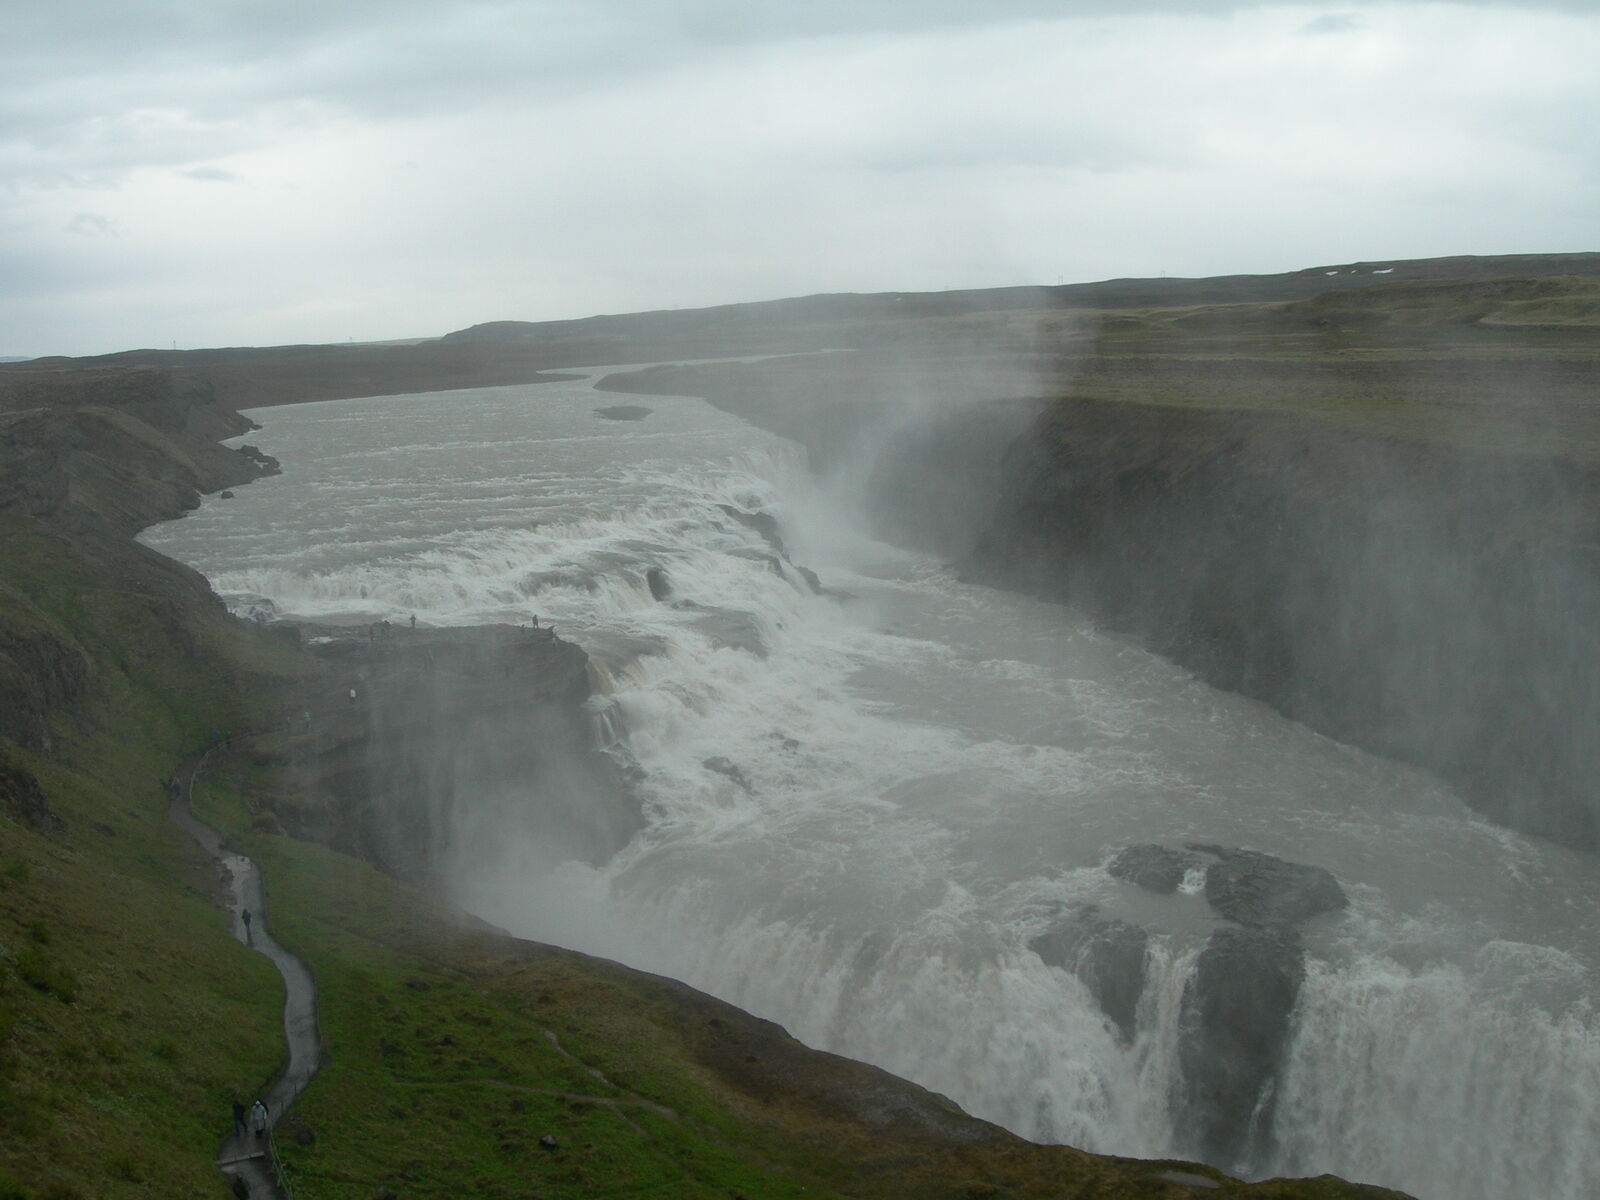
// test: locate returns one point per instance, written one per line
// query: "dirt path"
(247, 1158)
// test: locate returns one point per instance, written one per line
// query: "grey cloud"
(236, 70)
(88, 224)
(206, 78)
(579, 155)
(1333, 23)
(738, 21)
(987, 143)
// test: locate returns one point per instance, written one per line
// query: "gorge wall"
(415, 746)
(1424, 600)
(1430, 604)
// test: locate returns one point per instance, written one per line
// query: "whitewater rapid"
(862, 804)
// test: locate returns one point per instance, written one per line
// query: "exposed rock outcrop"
(1258, 889)
(421, 744)
(265, 464)
(763, 523)
(1242, 885)
(22, 799)
(1238, 1005)
(1158, 869)
(766, 525)
(1106, 954)
(727, 768)
(1236, 1013)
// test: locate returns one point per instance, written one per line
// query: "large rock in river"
(660, 586)
(1155, 868)
(1108, 955)
(1242, 885)
(1235, 1026)
(1259, 889)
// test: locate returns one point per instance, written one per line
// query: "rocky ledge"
(415, 742)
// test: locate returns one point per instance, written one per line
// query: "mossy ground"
(128, 1016)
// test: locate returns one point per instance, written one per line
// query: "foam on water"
(861, 805)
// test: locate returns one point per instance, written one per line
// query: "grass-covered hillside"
(128, 1016)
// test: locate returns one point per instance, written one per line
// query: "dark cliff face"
(1434, 605)
(421, 748)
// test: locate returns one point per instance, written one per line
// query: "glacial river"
(925, 771)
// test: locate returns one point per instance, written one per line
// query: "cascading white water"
(863, 804)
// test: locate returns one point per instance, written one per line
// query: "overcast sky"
(233, 172)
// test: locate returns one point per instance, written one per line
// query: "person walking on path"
(245, 1157)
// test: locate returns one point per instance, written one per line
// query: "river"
(862, 804)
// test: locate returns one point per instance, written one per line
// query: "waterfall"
(863, 804)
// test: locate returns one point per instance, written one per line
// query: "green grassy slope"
(129, 1016)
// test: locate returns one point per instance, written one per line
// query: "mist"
(1008, 843)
